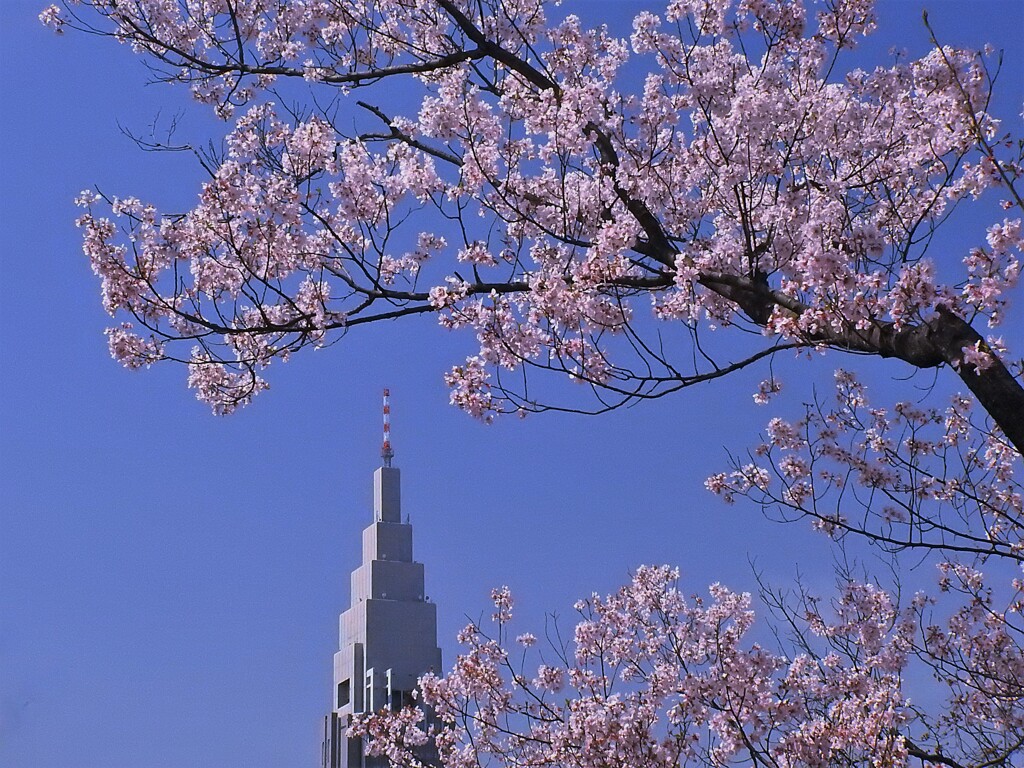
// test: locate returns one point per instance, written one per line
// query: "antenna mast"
(385, 449)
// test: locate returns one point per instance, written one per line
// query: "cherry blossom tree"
(657, 679)
(639, 214)
(548, 202)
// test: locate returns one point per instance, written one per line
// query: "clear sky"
(170, 581)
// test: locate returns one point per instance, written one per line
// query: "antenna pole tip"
(386, 452)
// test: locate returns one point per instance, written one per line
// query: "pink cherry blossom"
(655, 678)
(720, 188)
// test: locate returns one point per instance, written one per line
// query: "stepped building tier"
(388, 634)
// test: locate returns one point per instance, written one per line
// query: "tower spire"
(385, 449)
(388, 635)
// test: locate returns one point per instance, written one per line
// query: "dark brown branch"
(931, 343)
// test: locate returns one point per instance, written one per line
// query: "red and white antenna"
(385, 449)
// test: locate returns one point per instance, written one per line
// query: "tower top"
(386, 453)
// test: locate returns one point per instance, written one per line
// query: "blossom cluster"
(907, 477)
(655, 678)
(579, 193)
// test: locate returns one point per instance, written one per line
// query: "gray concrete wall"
(388, 580)
(387, 541)
(387, 495)
(388, 627)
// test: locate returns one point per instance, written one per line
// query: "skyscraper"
(388, 634)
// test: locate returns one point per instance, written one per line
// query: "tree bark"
(997, 390)
(938, 341)
(941, 341)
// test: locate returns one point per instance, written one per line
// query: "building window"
(344, 692)
(400, 699)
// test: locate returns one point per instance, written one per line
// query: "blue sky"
(170, 581)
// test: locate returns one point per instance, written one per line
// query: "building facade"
(388, 634)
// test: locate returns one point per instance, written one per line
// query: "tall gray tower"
(388, 635)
